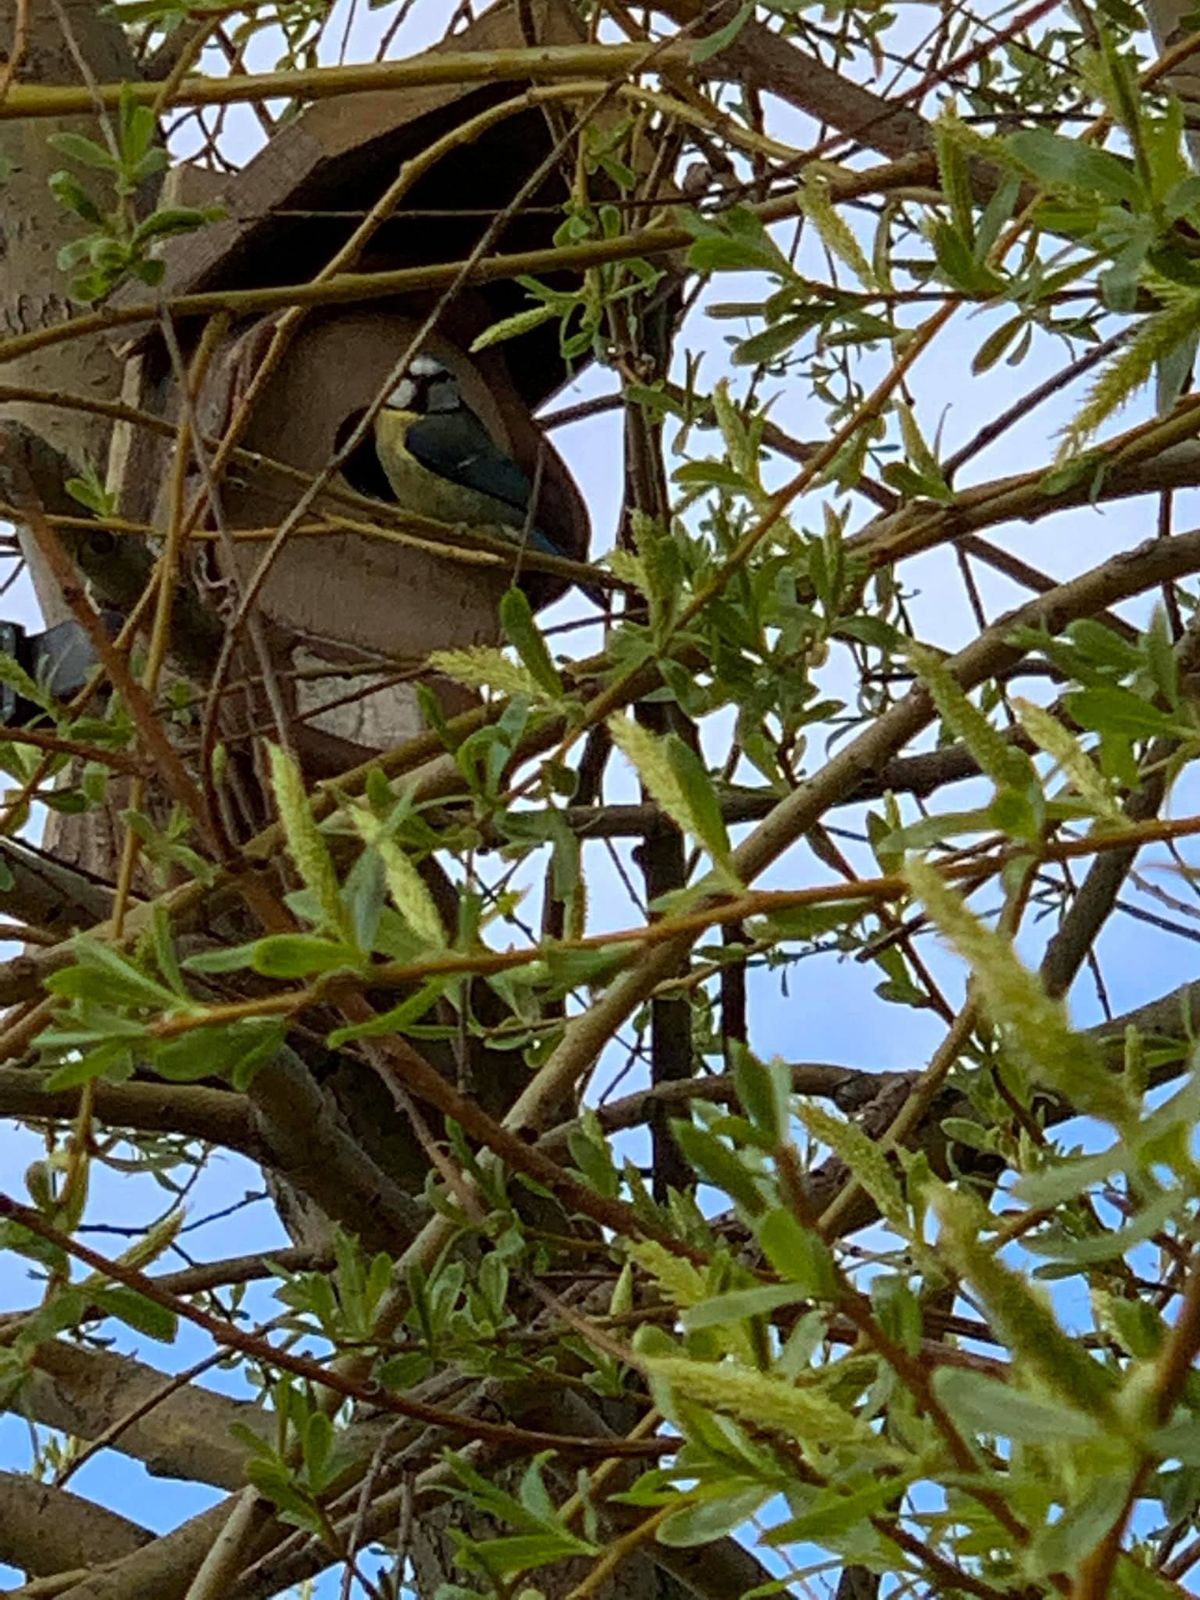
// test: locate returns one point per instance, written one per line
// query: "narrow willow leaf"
(920, 456)
(306, 844)
(864, 1158)
(764, 1089)
(833, 230)
(799, 1253)
(1155, 339)
(1021, 1313)
(1034, 1025)
(137, 1312)
(987, 744)
(955, 176)
(296, 955)
(14, 676)
(484, 667)
(1059, 162)
(719, 1513)
(996, 343)
(740, 1304)
(805, 1415)
(1048, 733)
(681, 787)
(990, 1406)
(679, 1279)
(696, 785)
(408, 889)
(712, 45)
(516, 615)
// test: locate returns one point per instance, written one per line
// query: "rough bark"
(45, 1530)
(33, 226)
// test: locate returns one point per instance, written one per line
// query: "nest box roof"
(294, 204)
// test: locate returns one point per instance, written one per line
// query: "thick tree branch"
(215, 1115)
(45, 1530)
(186, 1435)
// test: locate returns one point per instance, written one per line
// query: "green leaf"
(761, 349)
(408, 889)
(703, 805)
(705, 49)
(296, 955)
(77, 147)
(236, 958)
(711, 1518)
(996, 343)
(516, 617)
(396, 1020)
(68, 191)
(1064, 1545)
(112, 1061)
(172, 220)
(1115, 710)
(764, 1090)
(137, 1312)
(799, 1254)
(741, 1304)
(306, 843)
(834, 1512)
(1059, 162)
(234, 1051)
(717, 1164)
(105, 975)
(15, 676)
(990, 1406)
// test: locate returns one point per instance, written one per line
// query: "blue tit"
(432, 455)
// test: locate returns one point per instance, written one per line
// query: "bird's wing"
(457, 446)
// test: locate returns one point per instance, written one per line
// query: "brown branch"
(44, 1529)
(85, 1392)
(308, 1145)
(285, 1124)
(215, 1115)
(829, 97)
(633, 1110)
(47, 893)
(163, 1568)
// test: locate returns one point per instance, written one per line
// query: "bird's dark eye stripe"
(442, 394)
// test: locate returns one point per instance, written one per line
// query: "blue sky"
(829, 1011)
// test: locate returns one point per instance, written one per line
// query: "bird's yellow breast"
(427, 493)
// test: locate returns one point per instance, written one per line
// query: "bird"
(430, 453)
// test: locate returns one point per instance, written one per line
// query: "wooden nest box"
(287, 214)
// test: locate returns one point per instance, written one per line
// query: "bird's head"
(427, 388)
